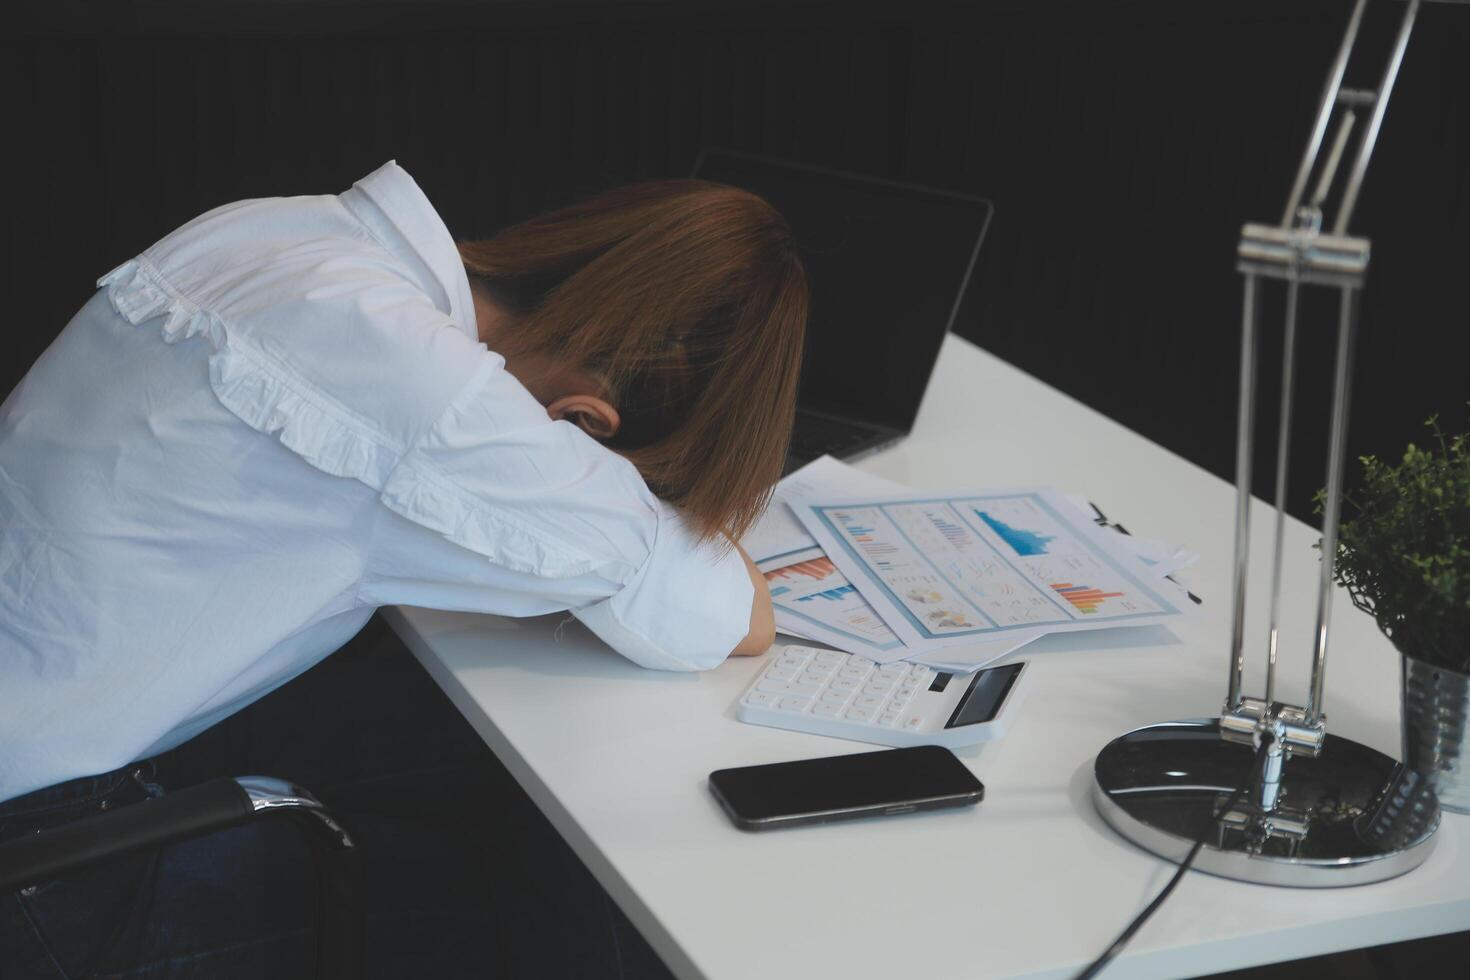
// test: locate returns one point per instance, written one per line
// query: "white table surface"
(1031, 883)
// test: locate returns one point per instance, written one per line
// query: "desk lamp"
(1317, 810)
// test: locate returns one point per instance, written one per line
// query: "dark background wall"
(1123, 142)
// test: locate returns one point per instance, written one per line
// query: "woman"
(291, 411)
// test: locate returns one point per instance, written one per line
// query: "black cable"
(1116, 947)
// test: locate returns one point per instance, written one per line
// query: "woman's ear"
(589, 413)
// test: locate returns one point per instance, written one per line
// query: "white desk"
(1031, 883)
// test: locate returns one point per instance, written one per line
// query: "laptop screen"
(887, 265)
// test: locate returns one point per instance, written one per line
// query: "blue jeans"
(463, 876)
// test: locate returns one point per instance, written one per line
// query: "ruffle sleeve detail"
(258, 392)
(267, 396)
(139, 293)
(306, 425)
(451, 482)
(415, 491)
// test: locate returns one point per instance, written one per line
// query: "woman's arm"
(762, 619)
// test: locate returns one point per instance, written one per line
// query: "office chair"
(204, 809)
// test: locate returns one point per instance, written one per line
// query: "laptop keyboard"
(814, 435)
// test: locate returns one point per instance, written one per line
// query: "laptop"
(888, 264)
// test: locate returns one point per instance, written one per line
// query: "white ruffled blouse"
(262, 428)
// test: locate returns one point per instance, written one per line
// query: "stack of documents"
(954, 581)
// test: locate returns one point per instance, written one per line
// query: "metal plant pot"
(1437, 730)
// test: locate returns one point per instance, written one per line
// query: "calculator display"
(983, 698)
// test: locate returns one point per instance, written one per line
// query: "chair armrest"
(52, 853)
(204, 809)
(190, 812)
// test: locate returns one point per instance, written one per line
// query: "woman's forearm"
(762, 618)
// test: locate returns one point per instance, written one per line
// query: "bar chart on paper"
(1022, 541)
(1083, 597)
(787, 578)
(877, 550)
(830, 595)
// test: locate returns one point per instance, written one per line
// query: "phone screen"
(914, 778)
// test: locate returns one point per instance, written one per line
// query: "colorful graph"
(867, 624)
(831, 595)
(851, 526)
(1024, 542)
(945, 619)
(816, 569)
(1084, 597)
(874, 549)
(956, 535)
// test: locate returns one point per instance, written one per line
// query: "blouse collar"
(407, 208)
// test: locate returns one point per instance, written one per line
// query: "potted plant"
(1404, 557)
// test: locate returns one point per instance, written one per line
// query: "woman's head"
(667, 319)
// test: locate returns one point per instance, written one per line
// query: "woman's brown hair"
(688, 301)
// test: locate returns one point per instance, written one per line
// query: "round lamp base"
(1350, 816)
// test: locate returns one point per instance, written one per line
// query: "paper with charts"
(812, 599)
(941, 569)
(816, 601)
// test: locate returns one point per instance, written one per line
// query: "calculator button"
(793, 690)
(793, 662)
(920, 675)
(914, 723)
(854, 673)
(875, 691)
(829, 657)
(793, 704)
(835, 697)
(868, 701)
(863, 662)
(888, 717)
(780, 674)
(894, 670)
(826, 709)
(905, 691)
(760, 699)
(810, 676)
(859, 713)
(844, 684)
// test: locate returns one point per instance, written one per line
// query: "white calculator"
(840, 694)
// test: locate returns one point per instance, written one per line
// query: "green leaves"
(1404, 554)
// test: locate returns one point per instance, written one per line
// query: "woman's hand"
(762, 618)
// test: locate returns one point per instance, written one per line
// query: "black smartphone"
(841, 787)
